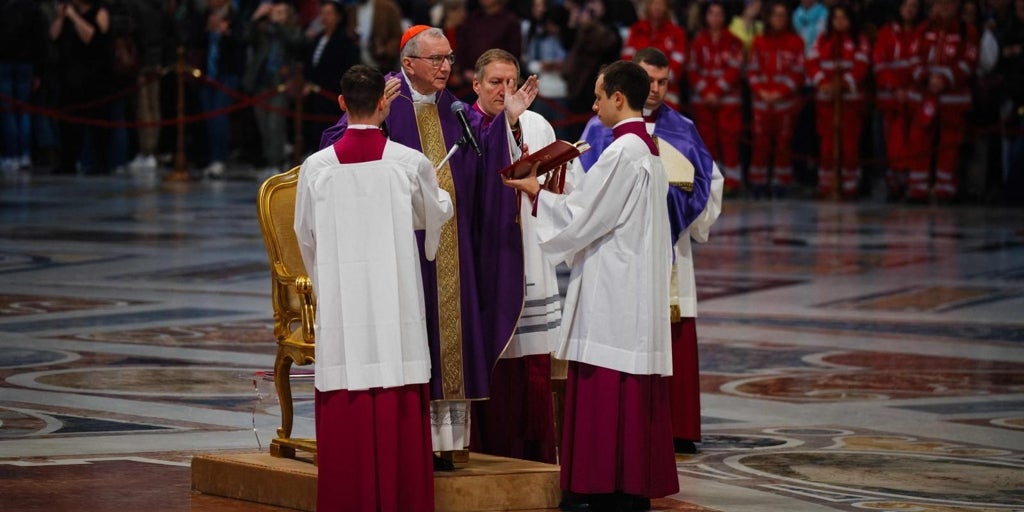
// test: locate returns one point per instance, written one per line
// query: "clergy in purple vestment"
(474, 289)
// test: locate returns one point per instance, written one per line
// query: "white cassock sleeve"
(701, 226)
(431, 207)
(305, 218)
(569, 223)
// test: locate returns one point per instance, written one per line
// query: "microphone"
(459, 109)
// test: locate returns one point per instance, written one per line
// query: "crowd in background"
(922, 98)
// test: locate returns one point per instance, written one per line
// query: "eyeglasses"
(436, 60)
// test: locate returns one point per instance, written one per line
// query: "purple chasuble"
(490, 241)
(675, 129)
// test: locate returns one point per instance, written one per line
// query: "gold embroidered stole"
(449, 296)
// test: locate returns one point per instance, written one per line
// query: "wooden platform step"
(484, 483)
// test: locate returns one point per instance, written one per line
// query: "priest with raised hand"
(518, 421)
(358, 205)
(474, 289)
(612, 231)
(691, 214)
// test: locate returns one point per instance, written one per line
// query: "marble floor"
(854, 356)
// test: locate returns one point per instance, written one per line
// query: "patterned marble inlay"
(912, 444)
(722, 442)
(141, 381)
(14, 262)
(20, 357)
(215, 272)
(18, 305)
(80, 425)
(98, 321)
(752, 358)
(937, 329)
(1016, 423)
(84, 235)
(255, 335)
(21, 423)
(959, 480)
(935, 299)
(878, 385)
(714, 286)
(991, 406)
(814, 316)
(822, 261)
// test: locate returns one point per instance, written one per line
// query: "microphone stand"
(462, 142)
(450, 153)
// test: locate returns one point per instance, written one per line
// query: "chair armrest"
(305, 288)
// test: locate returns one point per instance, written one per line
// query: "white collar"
(417, 97)
(630, 120)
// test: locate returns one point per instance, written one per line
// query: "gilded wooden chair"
(293, 300)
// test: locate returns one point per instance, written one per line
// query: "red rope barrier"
(243, 100)
(117, 95)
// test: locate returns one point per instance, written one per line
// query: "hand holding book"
(546, 160)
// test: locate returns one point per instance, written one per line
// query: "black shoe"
(684, 446)
(576, 502)
(632, 503)
(441, 464)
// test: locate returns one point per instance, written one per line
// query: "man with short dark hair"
(691, 214)
(612, 231)
(358, 205)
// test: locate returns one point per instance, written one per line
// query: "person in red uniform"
(775, 73)
(715, 69)
(892, 61)
(837, 66)
(657, 29)
(945, 54)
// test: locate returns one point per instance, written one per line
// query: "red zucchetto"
(411, 33)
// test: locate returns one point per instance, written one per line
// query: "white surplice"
(537, 332)
(355, 226)
(612, 231)
(698, 230)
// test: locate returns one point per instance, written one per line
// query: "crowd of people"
(792, 96)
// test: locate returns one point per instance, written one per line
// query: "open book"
(550, 157)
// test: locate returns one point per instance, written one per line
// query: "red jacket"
(715, 67)
(776, 65)
(893, 62)
(838, 57)
(669, 38)
(948, 49)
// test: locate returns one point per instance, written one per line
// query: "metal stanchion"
(180, 172)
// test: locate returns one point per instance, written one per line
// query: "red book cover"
(550, 158)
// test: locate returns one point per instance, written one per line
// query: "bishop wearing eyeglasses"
(474, 289)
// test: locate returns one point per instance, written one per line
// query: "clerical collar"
(636, 126)
(363, 127)
(651, 116)
(487, 117)
(417, 97)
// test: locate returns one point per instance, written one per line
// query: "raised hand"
(517, 103)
